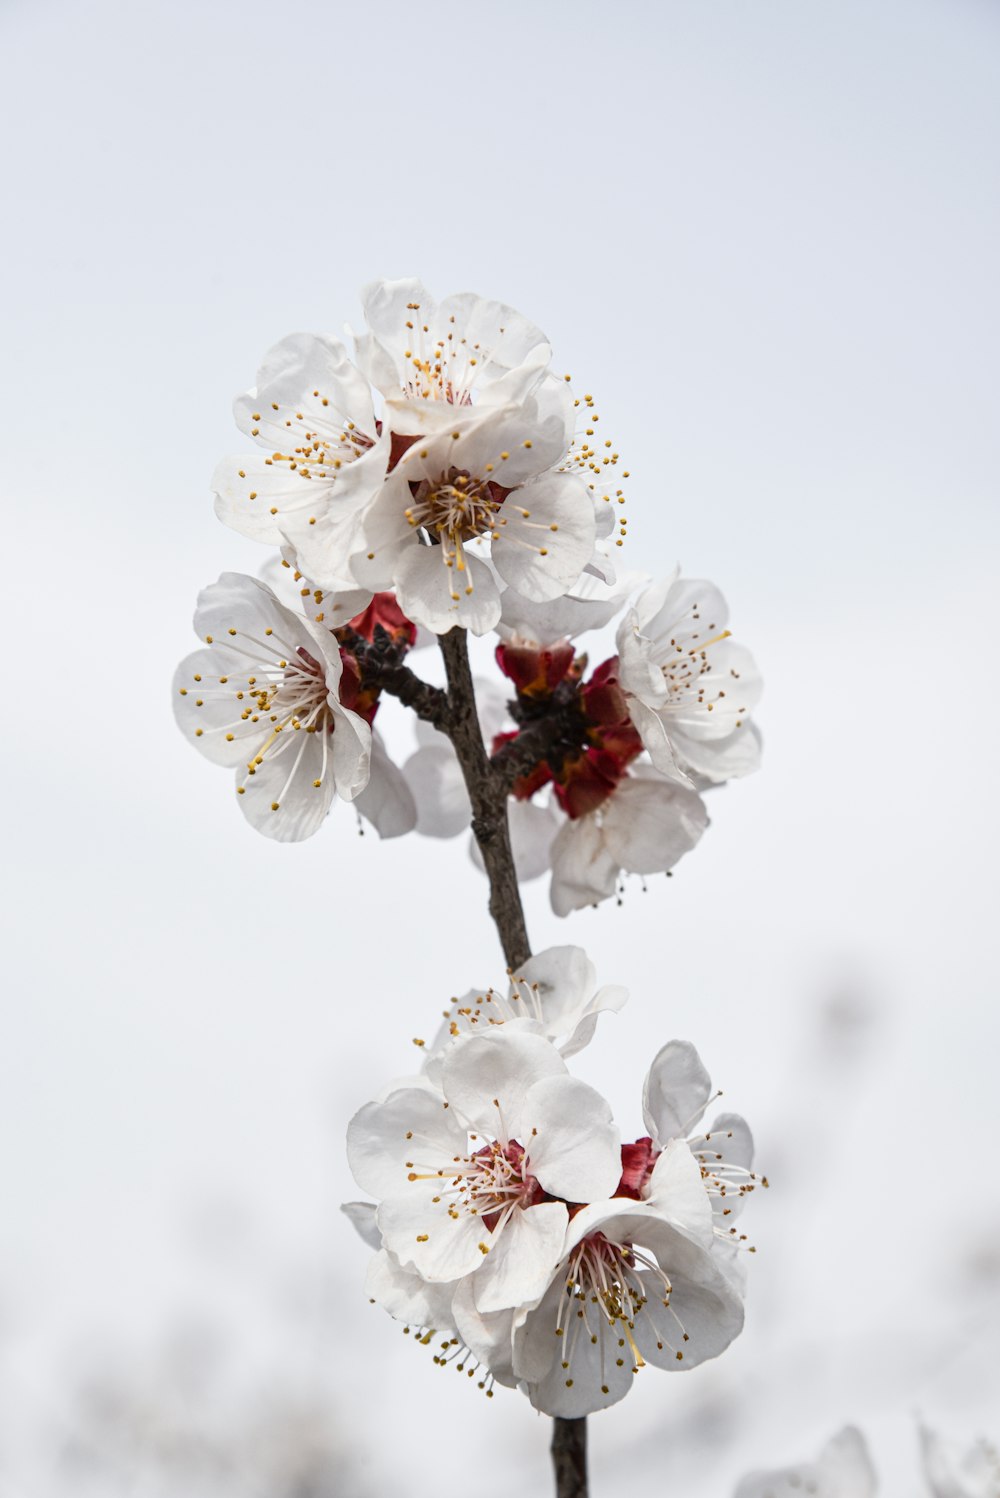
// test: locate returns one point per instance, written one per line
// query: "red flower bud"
(535, 673)
(385, 611)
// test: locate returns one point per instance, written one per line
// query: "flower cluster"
(443, 475)
(514, 1229)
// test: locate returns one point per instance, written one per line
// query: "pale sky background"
(765, 234)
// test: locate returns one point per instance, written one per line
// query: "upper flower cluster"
(516, 1228)
(441, 474)
(442, 462)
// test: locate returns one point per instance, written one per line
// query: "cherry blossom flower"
(843, 1469)
(644, 826)
(485, 481)
(263, 697)
(951, 1473)
(637, 1285)
(690, 687)
(312, 414)
(469, 1179)
(433, 362)
(675, 1094)
(554, 994)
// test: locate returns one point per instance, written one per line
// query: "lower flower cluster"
(515, 1231)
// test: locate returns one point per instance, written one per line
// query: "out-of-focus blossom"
(954, 1473)
(690, 687)
(843, 1469)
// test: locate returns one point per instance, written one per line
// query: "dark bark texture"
(488, 794)
(569, 1457)
(488, 784)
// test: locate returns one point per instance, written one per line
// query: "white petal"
(532, 832)
(570, 1392)
(721, 759)
(282, 799)
(487, 1077)
(435, 779)
(410, 1129)
(545, 536)
(487, 1336)
(649, 823)
(565, 979)
(441, 597)
(521, 1263)
(583, 871)
(676, 1192)
(590, 606)
(406, 1296)
(675, 1093)
(639, 673)
(705, 1313)
(423, 1235)
(350, 745)
(655, 730)
(362, 1216)
(573, 1144)
(387, 800)
(299, 373)
(683, 609)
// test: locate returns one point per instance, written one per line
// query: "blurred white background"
(765, 235)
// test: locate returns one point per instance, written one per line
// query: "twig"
(487, 784)
(489, 799)
(569, 1457)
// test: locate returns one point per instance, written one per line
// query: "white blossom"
(465, 1177)
(489, 480)
(554, 993)
(843, 1469)
(645, 826)
(434, 361)
(954, 1473)
(637, 1285)
(690, 686)
(263, 697)
(323, 456)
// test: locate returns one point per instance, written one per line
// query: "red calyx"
(587, 781)
(359, 699)
(386, 612)
(601, 698)
(535, 673)
(638, 1160)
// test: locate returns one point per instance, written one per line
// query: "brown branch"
(428, 702)
(569, 1457)
(487, 784)
(488, 795)
(382, 667)
(520, 756)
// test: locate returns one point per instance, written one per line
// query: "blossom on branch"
(276, 696)
(511, 1220)
(474, 1178)
(690, 688)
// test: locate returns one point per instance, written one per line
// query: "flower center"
(490, 1183)
(607, 1298)
(456, 509)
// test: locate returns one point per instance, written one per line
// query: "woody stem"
(488, 785)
